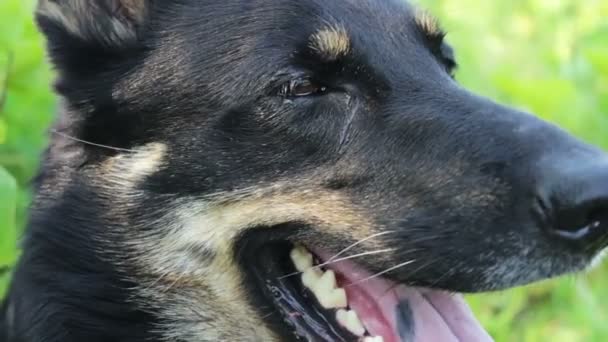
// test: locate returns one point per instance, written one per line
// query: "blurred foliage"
(26, 105)
(546, 56)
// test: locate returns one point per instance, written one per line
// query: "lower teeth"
(350, 321)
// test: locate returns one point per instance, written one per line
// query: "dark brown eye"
(300, 88)
(448, 59)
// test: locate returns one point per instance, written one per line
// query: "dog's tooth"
(323, 286)
(349, 320)
(332, 299)
(327, 281)
(311, 277)
(301, 258)
(373, 339)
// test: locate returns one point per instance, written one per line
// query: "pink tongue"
(408, 314)
(436, 316)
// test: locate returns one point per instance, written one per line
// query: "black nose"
(574, 202)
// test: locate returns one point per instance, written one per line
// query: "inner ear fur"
(103, 23)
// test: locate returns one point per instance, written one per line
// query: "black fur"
(455, 175)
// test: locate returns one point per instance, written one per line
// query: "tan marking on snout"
(331, 42)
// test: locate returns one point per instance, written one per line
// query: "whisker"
(424, 239)
(423, 266)
(383, 272)
(174, 282)
(54, 131)
(340, 259)
(157, 280)
(443, 276)
(268, 314)
(358, 243)
(409, 274)
(355, 256)
(199, 315)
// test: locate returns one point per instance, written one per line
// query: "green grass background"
(546, 56)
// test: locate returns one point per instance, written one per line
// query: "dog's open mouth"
(321, 297)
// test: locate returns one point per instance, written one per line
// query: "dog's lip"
(433, 315)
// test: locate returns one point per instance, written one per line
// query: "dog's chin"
(310, 294)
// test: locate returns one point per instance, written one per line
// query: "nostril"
(573, 201)
(580, 232)
(585, 221)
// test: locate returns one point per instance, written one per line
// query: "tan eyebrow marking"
(428, 23)
(331, 42)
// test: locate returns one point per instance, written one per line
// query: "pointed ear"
(99, 28)
(111, 23)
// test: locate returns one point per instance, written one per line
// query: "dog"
(277, 170)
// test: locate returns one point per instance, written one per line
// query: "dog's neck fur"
(63, 285)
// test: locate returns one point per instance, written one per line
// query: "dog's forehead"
(366, 17)
(357, 17)
(329, 28)
(383, 37)
(362, 28)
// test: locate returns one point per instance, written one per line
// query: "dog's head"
(248, 136)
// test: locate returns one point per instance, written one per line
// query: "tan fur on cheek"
(331, 43)
(191, 287)
(214, 226)
(325, 210)
(124, 172)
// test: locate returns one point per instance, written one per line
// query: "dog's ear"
(109, 23)
(77, 29)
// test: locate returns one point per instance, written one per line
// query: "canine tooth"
(301, 258)
(323, 286)
(332, 299)
(373, 339)
(311, 277)
(350, 320)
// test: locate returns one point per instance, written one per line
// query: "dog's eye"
(448, 58)
(301, 87)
